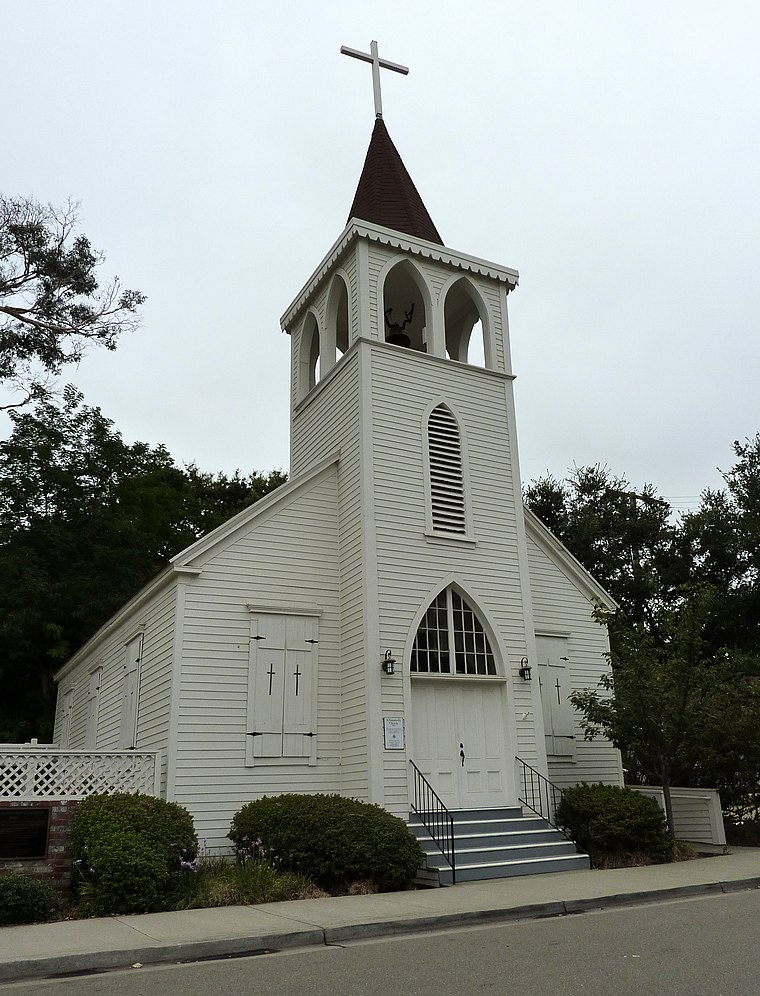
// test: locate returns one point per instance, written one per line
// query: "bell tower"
(401, 372)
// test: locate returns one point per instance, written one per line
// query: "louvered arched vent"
(446, 478)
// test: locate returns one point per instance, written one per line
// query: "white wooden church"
(393, 602)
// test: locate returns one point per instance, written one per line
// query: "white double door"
(460, 741)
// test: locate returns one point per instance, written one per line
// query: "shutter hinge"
(311, 641)
(308, 734)
(258, 638)
(254, 734)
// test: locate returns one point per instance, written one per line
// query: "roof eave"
(181, 564)
(356, 228)
(567, 563)
(156, 583)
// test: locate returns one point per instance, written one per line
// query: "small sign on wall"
(393, 732)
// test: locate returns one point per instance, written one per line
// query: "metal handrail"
(539, 794)
(435, 817)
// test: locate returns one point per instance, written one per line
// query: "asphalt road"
(708, 946)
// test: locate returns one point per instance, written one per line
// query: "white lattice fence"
(54, 774)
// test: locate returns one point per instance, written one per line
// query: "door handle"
(461, 753)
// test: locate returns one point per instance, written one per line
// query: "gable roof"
(185, 562)
(386, 195)
(558, 553)
(202, 548)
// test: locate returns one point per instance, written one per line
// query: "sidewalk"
(118, 942)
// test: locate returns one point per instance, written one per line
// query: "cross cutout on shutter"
(283, 664)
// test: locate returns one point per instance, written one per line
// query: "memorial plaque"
(393, 732)
(23, 833)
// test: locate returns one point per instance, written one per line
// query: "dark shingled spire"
(386, 195)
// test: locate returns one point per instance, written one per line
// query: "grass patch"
(682, 851)
(219, 882)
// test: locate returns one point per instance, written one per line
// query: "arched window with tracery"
(446, 472)
(451, 639)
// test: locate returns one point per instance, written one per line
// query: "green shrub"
(165, 825)
(126, 875)
(614, 824)
(27, 900)
(328, 838)
(126, 848)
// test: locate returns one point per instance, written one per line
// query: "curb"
(419, 925)
(123, 958)
(535, 911)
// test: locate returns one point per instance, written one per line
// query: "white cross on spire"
(377, 65)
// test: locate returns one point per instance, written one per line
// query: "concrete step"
(508, 869)
(502, 852)
(491, 813)
(518, 824)
(497, 844)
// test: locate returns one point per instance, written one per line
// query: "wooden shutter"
(68, 711)
(130, 688)
(267, 685)
(562, 716)
(446, 476)
(546, 708)
(281, 690)
(300, 668)
(93, 702)
(554, 677)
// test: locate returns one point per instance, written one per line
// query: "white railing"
(28, 773)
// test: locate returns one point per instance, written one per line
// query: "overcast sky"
(608, 151)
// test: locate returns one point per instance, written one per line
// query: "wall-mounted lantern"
(524, 671)
(388, 663)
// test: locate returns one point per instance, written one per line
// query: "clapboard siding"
(330, 421)
(290, 556)
(559, 606)
(326, 416)
(697, 814)
(377, 257)
(156, 621)
(411, 565)
(349, 264)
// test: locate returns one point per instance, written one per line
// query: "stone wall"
(55, 867)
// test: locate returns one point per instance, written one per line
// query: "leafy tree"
(623, 538)
(668, 696)
(85, 520)
(51, 304)
(721, 541)
(683, 699)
